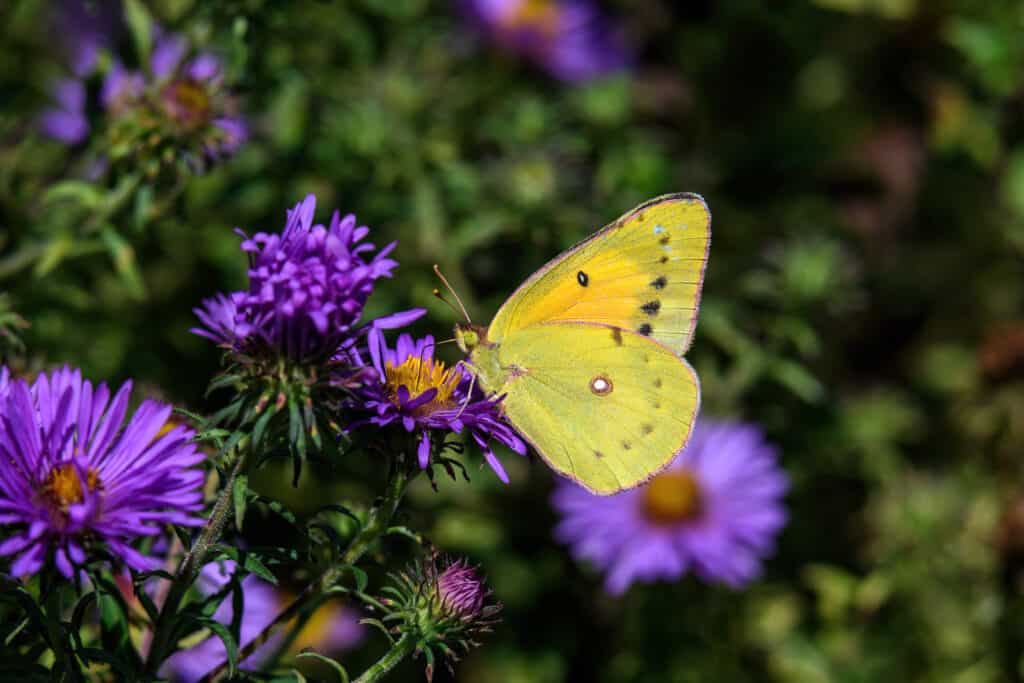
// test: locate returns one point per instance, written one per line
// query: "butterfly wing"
(642, 273)
(605, 407)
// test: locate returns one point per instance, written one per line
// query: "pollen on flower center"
(187, 102)
(63, 487)
(540, 15)
(672, 497)
(419, 375)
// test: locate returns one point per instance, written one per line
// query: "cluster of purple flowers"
(307, 289)
(179, 97)
(77, 483)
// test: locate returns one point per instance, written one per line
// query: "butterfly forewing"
(606, 407)
(643, 274)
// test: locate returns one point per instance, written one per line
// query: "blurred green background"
(864, 300)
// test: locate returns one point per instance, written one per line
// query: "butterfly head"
(469, 336)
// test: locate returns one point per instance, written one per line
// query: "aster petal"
(423, 452)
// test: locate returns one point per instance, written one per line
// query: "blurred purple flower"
(72, 480)
(571, 39)
(333, 628)
(307, 289)
(427, 397)
(716, 511)
(85, 27)
(65, 120)
(181, 98)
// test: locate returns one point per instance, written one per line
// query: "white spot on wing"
(658, 229)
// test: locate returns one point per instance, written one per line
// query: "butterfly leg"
(472, 385)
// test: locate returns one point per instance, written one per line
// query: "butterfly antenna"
(437, 293)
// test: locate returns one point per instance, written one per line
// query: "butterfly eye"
(601, 385)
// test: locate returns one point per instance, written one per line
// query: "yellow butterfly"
(586, 351)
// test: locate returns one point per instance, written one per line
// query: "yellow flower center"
(187, 102)
(63, 487)
(419, 375)
(540, 15)
(672, 497)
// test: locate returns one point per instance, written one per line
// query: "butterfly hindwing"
(606, 407)
(643, 273)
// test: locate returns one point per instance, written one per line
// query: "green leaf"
(360, 576)
(79, 613)
(140, 24)
(53, 253)
(86, 194)
(338, 668)
(143, 204)
(238, 495)
(122, 254)
(230, 644)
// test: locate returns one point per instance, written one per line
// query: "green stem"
(315, 593)
(399, 651)
(189, 568)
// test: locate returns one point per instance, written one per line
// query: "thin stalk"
(190, 566)
(316, 592)
(399, 651)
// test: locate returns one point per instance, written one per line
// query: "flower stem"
(399, 651)
(317, 591)
(190, 567)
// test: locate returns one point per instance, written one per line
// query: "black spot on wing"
(663, 259)
(582, 278)
(651, 308)
(598, 454)
(626, 445)
(617, 336)
(664, 240)
(657, 382)
(660, 282)
(645, 330)
(646, 428)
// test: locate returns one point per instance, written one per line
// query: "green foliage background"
(864, 163)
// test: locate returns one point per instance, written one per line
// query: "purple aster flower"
(443, 604)
(333, 628)
(568, 38)
(85, 27)
(307, 289)
(66, 120)
(74, 477)
(462, 590)
(715, 510)
(427, 397)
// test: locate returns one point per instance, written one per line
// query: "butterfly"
(587, 352)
